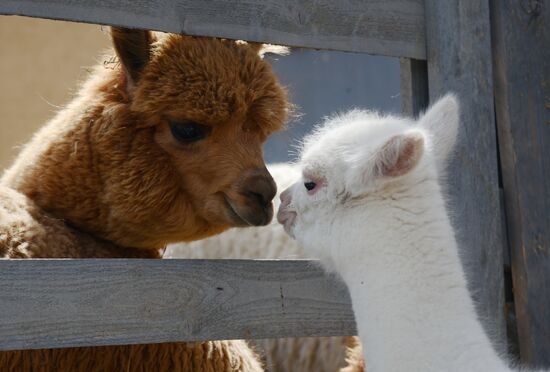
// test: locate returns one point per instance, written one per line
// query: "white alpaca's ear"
(399, 155)
(395, 158)
(441, 122)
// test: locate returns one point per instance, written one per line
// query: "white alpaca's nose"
(285, 216)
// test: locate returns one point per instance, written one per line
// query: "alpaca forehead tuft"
(342, 137)
(212, 81)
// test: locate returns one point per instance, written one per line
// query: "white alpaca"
(319, 354)
(370, 205)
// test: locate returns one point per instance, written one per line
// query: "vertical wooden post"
(521, 62)
(459, 60)
(414, 86)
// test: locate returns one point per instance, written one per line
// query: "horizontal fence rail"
(65, 303)
(392, 27)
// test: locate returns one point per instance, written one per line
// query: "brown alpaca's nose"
(253, 206)
(261, 188)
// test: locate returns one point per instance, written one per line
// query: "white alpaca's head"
(360, 159)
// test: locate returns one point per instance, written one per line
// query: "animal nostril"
(260, 198)
(263, 193)
(261, 188)
(285, 196)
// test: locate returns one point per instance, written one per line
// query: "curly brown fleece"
(215, 356)
(105, 177)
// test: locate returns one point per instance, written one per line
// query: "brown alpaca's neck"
(28, 231)
(62, 170)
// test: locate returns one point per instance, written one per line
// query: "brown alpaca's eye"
(188, 132)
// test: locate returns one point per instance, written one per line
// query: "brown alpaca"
(165, 146)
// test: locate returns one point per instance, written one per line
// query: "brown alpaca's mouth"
(251, 215)
(234, 214)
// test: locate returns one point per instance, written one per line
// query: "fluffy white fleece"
(370, 205)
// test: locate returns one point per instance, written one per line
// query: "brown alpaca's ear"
(133, 48)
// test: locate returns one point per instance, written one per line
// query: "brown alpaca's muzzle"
(251, 204)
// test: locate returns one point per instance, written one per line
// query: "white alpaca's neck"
(407, 285)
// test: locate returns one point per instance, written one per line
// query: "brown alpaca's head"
(196, 114)
(166, 146)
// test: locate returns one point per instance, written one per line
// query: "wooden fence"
(494, 54)
(57, 303)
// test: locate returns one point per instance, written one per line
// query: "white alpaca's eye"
(310, 185)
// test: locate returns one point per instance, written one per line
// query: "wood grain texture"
(414, 86)
(391, 27)
(459, 60)
(62, 303)
(521, 47)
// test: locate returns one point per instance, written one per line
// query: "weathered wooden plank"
(391, 27)
(62, 303)
(521, 61)
(459, 60)
(414, 86)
